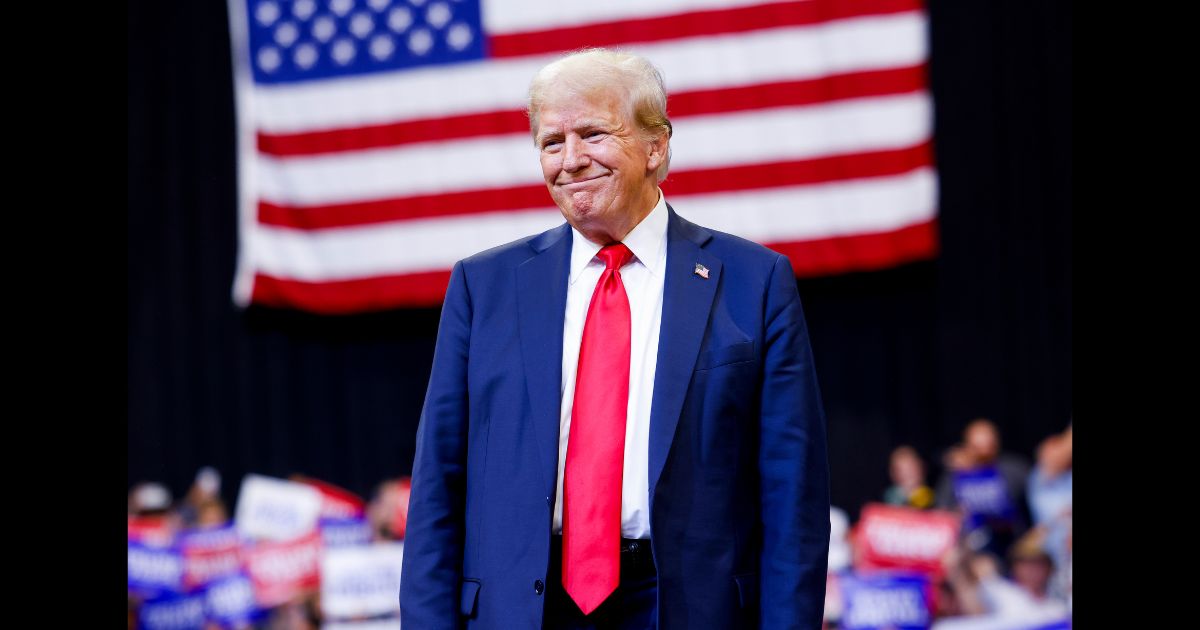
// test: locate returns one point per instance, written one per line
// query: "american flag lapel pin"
(702, 271)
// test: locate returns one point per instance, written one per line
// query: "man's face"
(983, 442)
(907, 471)
(596, 165)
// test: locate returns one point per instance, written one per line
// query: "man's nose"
(575, 155)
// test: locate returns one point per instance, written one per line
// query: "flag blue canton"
(301, 40)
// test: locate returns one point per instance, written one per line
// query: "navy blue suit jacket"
(739, 482)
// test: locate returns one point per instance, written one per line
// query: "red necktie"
(596, 444)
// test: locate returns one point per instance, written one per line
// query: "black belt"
(637, 560)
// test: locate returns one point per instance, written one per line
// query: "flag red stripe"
(699, 181)
(691, 24)
(376, 293)
(860, 252)
(699, 102)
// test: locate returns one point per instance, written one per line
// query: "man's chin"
(581, 205)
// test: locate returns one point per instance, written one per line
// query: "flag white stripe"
(776, 215)
(782, 54)
(785, 133)
(518, 17)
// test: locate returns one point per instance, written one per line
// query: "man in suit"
(623, 427)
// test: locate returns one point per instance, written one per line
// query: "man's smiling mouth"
(583, 181)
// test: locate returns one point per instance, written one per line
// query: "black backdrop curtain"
(907, 355)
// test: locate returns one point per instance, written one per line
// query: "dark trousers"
(633, 606)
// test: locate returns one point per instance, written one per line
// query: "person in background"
(995, 481)
(202, 506)
(388, 510)
(1049, 492)
(908, 488)
(1031, 567)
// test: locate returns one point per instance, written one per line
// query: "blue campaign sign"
(885, 601)
(173, 612)
(342, 532)
(154, 570)
(982, 491)
(231, 601)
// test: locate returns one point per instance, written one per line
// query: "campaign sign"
(886, 601)
(150, 530)
(895, 537)
(231, 601)
(361, 581)
(385, 623)
(282, 570)
(337, 502)
(982, 492)
(342, 532)
(209, 554)
(833, 597)
(173, 612)
(276, 509)
(1034, 619)
(154, 570)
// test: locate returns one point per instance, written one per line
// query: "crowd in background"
(1010, 563)
(1007, 565)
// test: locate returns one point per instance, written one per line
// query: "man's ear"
(658, 148)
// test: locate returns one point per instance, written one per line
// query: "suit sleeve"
(793, 466)
(431, 574)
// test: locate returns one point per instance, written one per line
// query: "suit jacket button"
(538, 587)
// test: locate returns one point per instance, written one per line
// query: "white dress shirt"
(643, 278)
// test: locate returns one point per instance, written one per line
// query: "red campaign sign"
(893, 537)
(208, 555)
(150, 530)
(283, 570)
(336, 502)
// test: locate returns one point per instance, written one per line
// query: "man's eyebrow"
(592, 123)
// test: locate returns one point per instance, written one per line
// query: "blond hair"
(601, 70)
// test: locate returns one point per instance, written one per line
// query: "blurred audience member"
(388, 510)
(908, 487)
(1049, 493)
(150, 519)
(149, 499)
(1031, 565)
(981, 447)
(979, 587)
(202, 506)
(971, 464)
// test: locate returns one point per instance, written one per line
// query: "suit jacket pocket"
(470, 593)
(734, 353)
(747, 589)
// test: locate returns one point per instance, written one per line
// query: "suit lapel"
(541, 304)
(687, 300)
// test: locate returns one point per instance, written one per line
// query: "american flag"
(380, 141)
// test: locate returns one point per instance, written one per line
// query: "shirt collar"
(647, 240)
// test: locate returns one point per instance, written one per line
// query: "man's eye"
(593, 134)
(550, 145)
